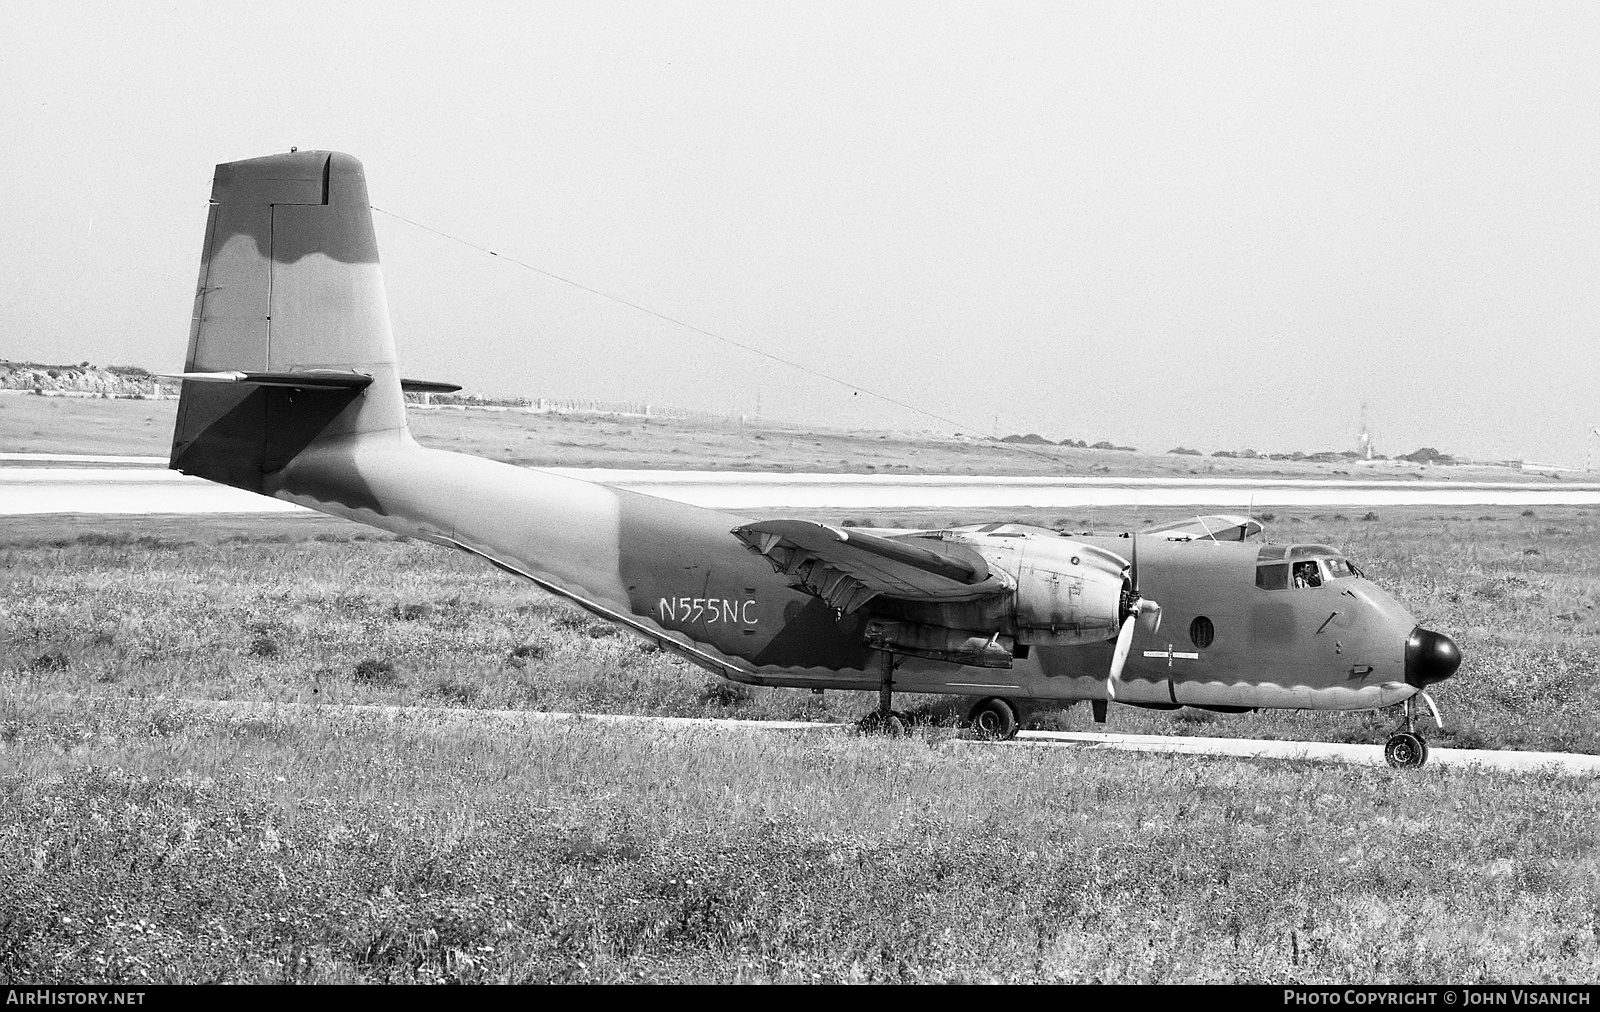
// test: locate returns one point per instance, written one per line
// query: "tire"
(886, 725)
(1405, 751)
(993, 720)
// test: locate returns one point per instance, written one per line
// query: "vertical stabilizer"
(289, 282)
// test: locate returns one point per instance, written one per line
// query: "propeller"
(1136, 608)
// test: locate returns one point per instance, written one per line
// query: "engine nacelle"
(1067, 593)
(1049, 591)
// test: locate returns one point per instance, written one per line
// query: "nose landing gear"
(1406, 749)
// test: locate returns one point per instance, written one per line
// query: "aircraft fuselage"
(674, 573)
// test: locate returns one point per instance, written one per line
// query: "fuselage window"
(1202, 632)
(1273, 576)
(1307, 575)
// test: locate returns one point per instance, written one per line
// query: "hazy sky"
(1222, 225)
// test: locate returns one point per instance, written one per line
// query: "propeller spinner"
(1135, 609)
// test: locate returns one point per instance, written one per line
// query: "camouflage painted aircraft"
(291, 390)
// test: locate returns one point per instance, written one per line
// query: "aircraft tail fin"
(290, 287)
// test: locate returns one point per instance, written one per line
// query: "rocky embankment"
(85, 380)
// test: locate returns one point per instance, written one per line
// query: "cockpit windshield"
(1301, 567)
(1339, 568)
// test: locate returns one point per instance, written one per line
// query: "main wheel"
(993, 719)
(889, 725)
(1405, 751)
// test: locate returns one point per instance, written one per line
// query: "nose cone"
(1430, 657)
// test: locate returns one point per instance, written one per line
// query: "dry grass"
(145, 840)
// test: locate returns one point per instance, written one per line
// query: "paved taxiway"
(133, 485)
(1551, 763)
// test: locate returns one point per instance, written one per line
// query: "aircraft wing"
(848, 568)
(1222, 527)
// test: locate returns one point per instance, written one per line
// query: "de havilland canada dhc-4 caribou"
(291, 390)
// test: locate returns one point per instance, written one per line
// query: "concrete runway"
(1470, 760)
(63, 483)
(123, 490)
(1556, 763)
(732, 490)
(80, 458)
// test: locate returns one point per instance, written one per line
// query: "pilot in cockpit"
(1306, 575)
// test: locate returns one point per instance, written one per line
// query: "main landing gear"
(889, 725)
(1406, 749)
(993, 719)
(884, 720)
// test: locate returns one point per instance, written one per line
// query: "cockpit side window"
(1273, 576)
(1307, 575)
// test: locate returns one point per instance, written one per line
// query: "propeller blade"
(1119, 656)
(1133, 565)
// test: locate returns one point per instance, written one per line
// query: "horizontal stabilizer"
(325, 378)
(304, 379)
(428, 387)
(849, 568)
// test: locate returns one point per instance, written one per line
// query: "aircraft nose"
(1430, 657)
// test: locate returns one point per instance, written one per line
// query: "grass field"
(150, 841)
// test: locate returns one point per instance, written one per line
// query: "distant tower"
(1364, 441)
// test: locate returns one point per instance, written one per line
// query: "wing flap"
(1222, 527)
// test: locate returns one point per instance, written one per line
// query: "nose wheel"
(1406, 749)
